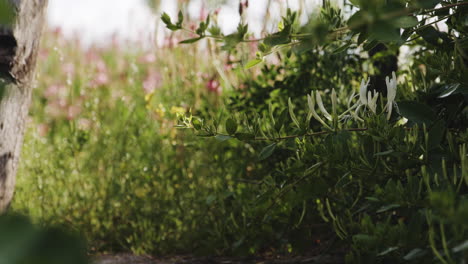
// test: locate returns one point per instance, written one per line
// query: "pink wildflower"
(152, 81)
(213, 85)
(148, 58)
(43, 129)
(101, 79)
(68, 69)
(203, 13)
(84, 124)
(55, 91)
(73, 111)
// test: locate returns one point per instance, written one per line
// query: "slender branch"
(408, 11)
(446, 7)
(429, 24)
(204, 36)
(321, 133)
(311, 134)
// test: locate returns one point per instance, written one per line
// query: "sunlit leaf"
(461, 247)
(415, 253)
(253, 63)
(387, 251)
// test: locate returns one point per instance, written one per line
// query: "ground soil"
(132, 259)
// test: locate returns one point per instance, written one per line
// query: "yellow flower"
(160, 111)
(148, 97)
(177, 110)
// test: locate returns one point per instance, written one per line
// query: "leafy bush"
(387, 170)
(102, 157)
(305, 157)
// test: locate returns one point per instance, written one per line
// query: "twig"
(311, 134)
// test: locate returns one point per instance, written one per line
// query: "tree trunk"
(18, 51)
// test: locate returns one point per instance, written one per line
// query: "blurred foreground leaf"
(23, 243)
(7, 13)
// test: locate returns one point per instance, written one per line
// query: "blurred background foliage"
(102, 156)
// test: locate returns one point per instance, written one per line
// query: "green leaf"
(370, 45)
(355, 2)
(201, 29)
(263, 48)
(384, 153)
(222, 138)
(231, 41)
(180, 19)
(342, 48)
(168, 22)
(231, 126)
(385, 32)
(277, 38)
(448, 90)
(292, 115)
(242, 30)
(387, 208)
(23, 242)
(417, 112)
(166, 19)
(372, 199)
(363, 36)
(415, 253)
(388, 250)
(281, 120)
(358, 20)
(267, 151)
(188, 41)
(210, 199)
(434, 37)
(215, 30)
(7, 13)
(252, 63)
(344, 180)
(303, 46)
(406, 22)
(405, 35)
(197, 124)
(462, 247)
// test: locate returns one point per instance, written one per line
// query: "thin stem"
(433, 22)
(408, 11)
(311, 134)
(445, 7)
(204, 36)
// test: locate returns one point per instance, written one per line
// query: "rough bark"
(18, 52)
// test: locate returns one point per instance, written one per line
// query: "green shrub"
(387, 171)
